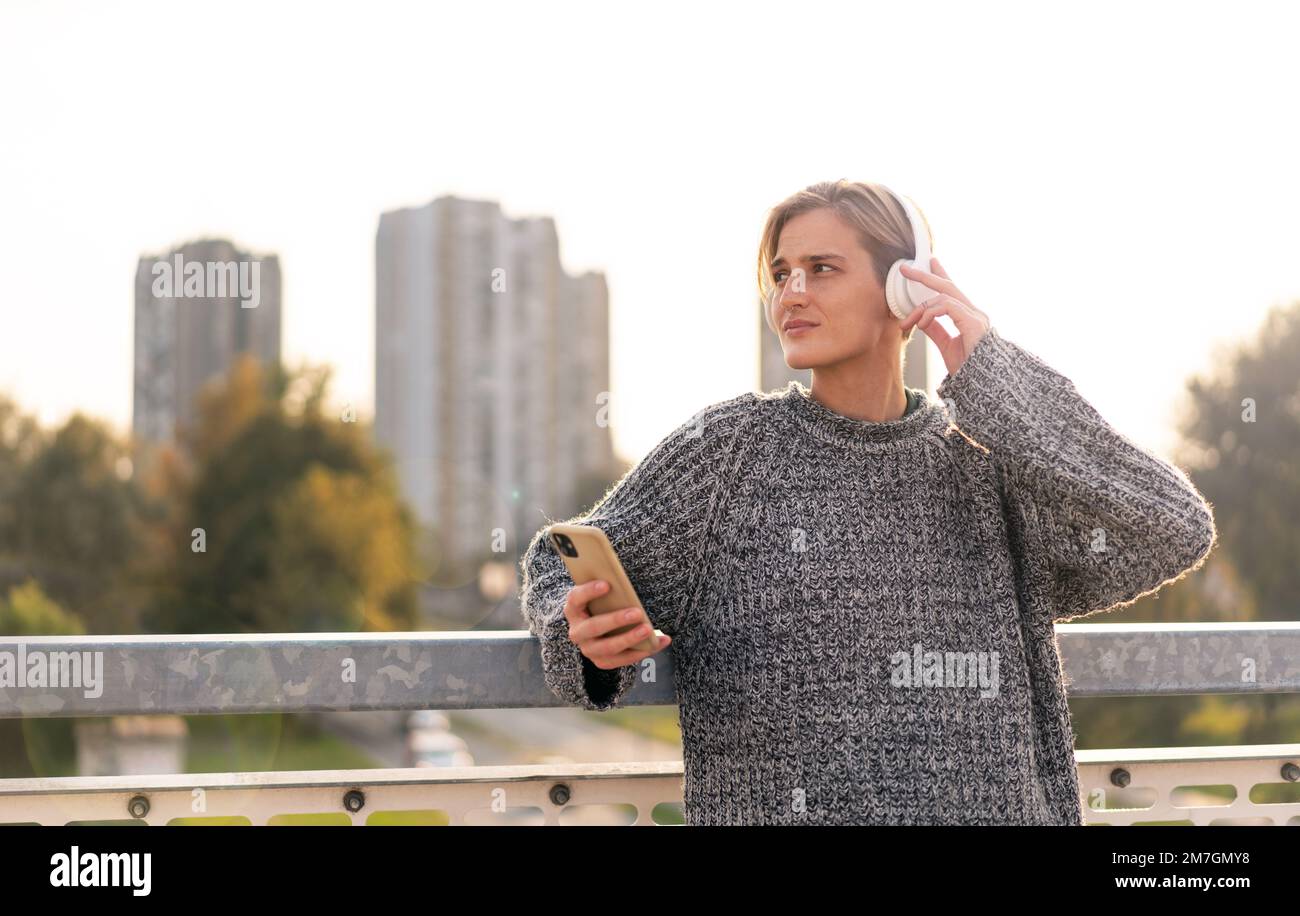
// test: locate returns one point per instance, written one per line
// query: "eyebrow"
(810, 258)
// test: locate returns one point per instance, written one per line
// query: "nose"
(785, 298)
(790, 307)
(791, 294)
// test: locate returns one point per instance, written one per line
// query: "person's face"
(837, 293)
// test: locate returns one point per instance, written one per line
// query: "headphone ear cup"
(896, 294)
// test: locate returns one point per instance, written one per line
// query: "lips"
(798, 323)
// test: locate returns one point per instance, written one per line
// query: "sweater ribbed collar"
(819, 421)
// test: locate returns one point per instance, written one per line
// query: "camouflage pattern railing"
(501, 669)
(294, 673)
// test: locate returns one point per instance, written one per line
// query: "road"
(507, 736)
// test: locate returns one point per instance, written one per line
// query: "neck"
(868, 386)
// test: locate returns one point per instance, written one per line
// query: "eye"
(777, 275)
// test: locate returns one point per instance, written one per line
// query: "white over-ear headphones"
(901, 294)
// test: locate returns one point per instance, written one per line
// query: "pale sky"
(1112, 183)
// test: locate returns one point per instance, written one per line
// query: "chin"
(798, 359)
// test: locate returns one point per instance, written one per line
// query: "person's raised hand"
(971, 323)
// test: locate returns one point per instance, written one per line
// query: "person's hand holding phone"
(591, 632)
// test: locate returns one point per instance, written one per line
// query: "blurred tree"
(344, 559)
(20, 441)
(70, 516)
(28, 611)
(1215, 592)
(30, 747)
(1242, 435)
(288, 520)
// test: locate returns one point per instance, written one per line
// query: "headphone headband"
(901, 293)
(921, 244)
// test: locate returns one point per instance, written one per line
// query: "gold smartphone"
(588, 554)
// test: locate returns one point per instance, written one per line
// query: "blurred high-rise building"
(491, 375)
(192, 322)
(774, 373)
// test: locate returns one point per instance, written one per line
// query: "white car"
(430, 742)
(423, 719)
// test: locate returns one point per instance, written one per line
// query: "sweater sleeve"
(657, 518)
(1102, 520)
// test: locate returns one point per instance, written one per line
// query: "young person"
(859, 583)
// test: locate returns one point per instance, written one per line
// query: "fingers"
(938, 270)
(585, 624)
(963, 315)
(589, 631)
(937, 305)
(924, 318)
(599, 625)
(621, 649)
(938, 282)
(614, 650)
(618, 642)
(632, 656)
(575, 603)
(952, 347)
(935, 282)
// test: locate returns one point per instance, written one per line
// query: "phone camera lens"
(564, 544)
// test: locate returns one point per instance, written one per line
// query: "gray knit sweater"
(862, 613)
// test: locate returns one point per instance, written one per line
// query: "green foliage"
(1249, 473)
(1248, 469)
(29, 747)
(67, 524)
(70, 516)
(297, 515)
(28, 611)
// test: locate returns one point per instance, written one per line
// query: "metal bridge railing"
(296, 673)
